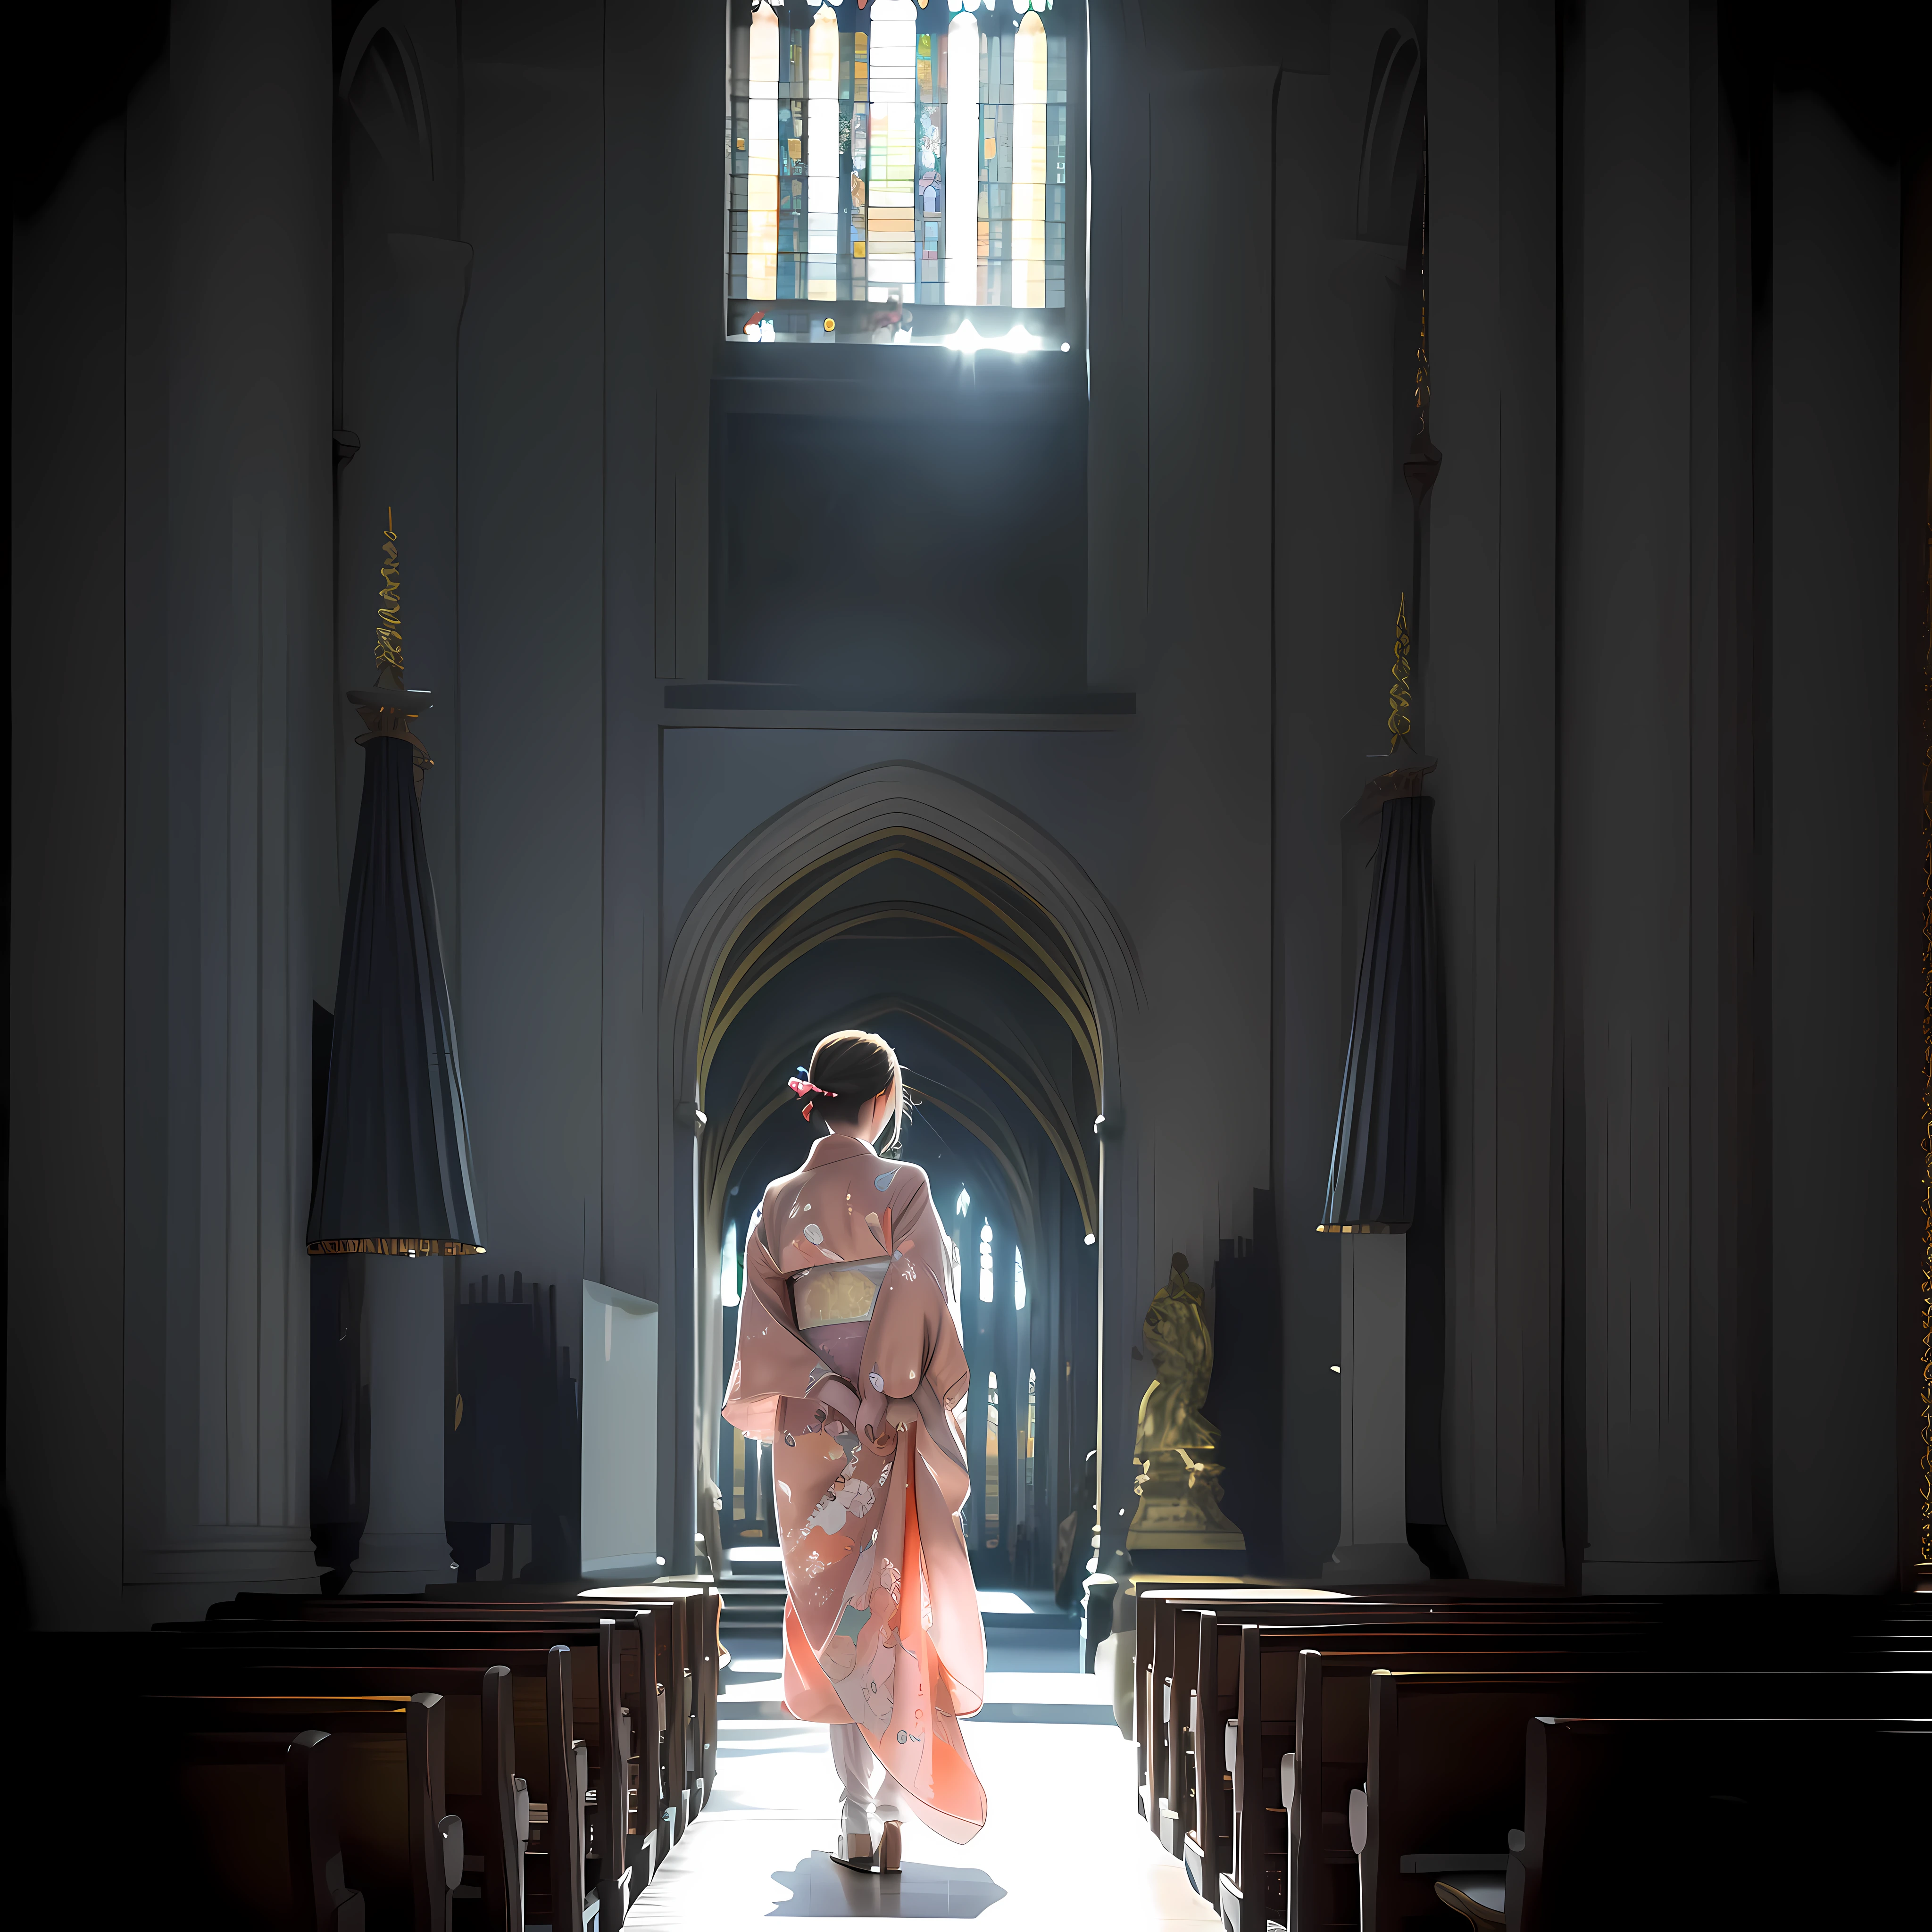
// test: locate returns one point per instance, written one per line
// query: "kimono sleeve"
(914, 1338)
(773, 1359)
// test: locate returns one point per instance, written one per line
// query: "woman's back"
(849, 1362)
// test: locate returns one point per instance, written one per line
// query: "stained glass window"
(727, 1267)
(1019, 1280)
(901, 172)
(986, 1262)
(989, 1512)
(1032, 1423)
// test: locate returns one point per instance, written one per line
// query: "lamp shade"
(394, 1176)
(1388, 1125)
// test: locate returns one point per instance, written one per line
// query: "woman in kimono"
(849, 1364)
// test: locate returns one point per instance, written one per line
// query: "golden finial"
(389, 609)
(1399, 718)
(389, 708)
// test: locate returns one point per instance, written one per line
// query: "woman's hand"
(841, 1404)
(884, 1416)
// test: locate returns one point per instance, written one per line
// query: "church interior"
(1376, 776)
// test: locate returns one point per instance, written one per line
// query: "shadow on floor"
(821, 1889)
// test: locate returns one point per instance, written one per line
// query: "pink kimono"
(882, 1625)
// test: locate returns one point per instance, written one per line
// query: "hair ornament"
(801, 1085)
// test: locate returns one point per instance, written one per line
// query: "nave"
(1062, 1844)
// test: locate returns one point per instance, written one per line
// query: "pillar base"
(1356, 1563)
(392, 1564)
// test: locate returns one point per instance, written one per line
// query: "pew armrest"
(1231, 1733)
(451, 1831)
(523, 1813)
(1480, 1896)
(1358, 1819)
(1288, 1781)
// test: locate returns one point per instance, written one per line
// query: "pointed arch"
(912, 808)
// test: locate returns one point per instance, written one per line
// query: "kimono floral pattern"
(882, 1626)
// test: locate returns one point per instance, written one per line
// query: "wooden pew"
(542, 1701)
(1154, 1649)
(696, 1607)
(1446, 1764)
(1160, 1655)
(1206, 1801)
(1214, 1660)
(655, 1687)
(685, 1617)
(482, 1725)
(399, 1848)
(1196, 1765)
(1331, 1749)
(1252, 1780)
(1157, 1654)
(701, 1607)
(1284, 1708)
(619, 1717)
(1331, 1746)
(243, 1831)
(1739, 1833)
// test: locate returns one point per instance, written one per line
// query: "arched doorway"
(902, 899)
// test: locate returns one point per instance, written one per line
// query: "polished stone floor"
(1063, 1845)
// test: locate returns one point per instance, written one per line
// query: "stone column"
(1662, 1153)
(228, 782)
(404, 1545)
(1373, 1547)
(1835, 1028)
(1488, 653)
(405, 280)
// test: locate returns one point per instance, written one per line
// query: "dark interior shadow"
(822, 1889)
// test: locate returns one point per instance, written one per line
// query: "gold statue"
(1175, 1446)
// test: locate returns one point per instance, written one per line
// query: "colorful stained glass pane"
(894, 168)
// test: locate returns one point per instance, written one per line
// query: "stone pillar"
(1488, 687)
(1662, 1153)
(404, 1544)
(1835, 1020)
(405, 279)
(68, 963)
(1373, 1547)
(230, 795)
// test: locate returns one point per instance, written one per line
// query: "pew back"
(245, 1831)
(541, 1699)
(1445, 1771)
(396, 1838)
(1735, 1835)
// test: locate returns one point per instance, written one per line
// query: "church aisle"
(1063, 1844)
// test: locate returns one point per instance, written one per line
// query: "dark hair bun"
(853, 1068)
